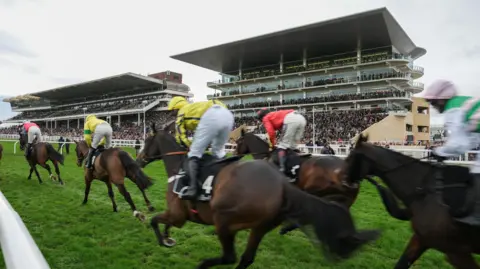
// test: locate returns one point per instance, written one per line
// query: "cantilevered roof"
(122, 82)
(376, 28)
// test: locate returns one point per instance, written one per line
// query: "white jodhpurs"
(103, 130)
(33, 132)
(214, 128)
(293, 130)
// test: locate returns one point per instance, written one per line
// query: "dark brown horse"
(40, 154)
(431, 193)
(112, 166)
(245, 195)
(321, 176)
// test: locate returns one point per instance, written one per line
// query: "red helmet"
(262, 113)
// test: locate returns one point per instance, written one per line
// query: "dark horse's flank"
(247, 195)
(40, 154)
(112, 166)
(321, 176)
(427, 198)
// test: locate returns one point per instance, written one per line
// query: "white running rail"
(18, 248)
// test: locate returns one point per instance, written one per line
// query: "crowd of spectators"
(134, 103)
(324, 99)
(332, 125)
(315, 64)
(320, 82)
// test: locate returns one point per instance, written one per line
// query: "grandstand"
(346, 75)
(128, 101)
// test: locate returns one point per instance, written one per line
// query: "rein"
(173, 153)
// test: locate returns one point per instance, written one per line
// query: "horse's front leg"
(37, 174)
(30, 175)
(128, 198)
(88, 183)
(412, 252)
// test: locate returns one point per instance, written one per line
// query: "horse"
(434, 196)
(321, 176)
(42, 152)
(244, 195)
(1, 151)
(112, 166)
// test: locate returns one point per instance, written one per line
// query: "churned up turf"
(72, 236)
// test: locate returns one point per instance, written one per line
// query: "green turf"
(74, 236)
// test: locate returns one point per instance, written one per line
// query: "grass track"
(72, 236)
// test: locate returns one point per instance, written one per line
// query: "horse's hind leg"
(88, 183)
(254, 239)
(31, 171)
(38, 175)
(149, 205)
(111, 194)
(128, 198)
(57, 171)
(47, 167)
(462, 260)
(227, 239)
(412, 252)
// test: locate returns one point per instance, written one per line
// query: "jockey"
(212, 123)
(32, 130)
(100, 130)
(292, 124)
(462, 121)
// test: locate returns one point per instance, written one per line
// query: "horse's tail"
(134, 171)
(391, 203)
(53, 154)
(332, 222)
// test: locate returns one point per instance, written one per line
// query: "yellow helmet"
(90, 117)
(177, 102)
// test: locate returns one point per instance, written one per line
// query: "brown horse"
(112, 166)
(434, 196)
(245, 195)
(320, 176)
(40, 154)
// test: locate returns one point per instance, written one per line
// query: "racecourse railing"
(18, 247)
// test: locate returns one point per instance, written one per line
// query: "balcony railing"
(313, 85)
(418, 69)
(313, 65)
(417, 85)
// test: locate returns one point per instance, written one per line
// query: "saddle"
(292, 163)
(208, 170)
(97, 153)
(459, 190)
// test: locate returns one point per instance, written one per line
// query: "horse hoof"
(169, 242)
(139, 215)
(151, 208)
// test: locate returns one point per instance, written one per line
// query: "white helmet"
(440, 89)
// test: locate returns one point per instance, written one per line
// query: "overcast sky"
(50, 43)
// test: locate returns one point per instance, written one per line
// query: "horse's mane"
(388, 154)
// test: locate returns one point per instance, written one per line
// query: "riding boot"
(27, 150)
(89, 158)
(191, 193)
(282, 158)
(473, 219)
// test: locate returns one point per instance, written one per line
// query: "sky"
(49, 43)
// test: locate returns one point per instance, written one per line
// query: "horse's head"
(81, 150)
(22, 140)
(250, 143)
(398, 171)
(158, 144)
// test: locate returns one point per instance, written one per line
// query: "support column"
(281, 63)
(359, 60)
(118, 120)
(78, 123)
(68, 124)
(304, 57)
(240, 64)
(55, 124)
(138, 122)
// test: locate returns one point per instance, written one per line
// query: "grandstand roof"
(377, 28)
(126, 81)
